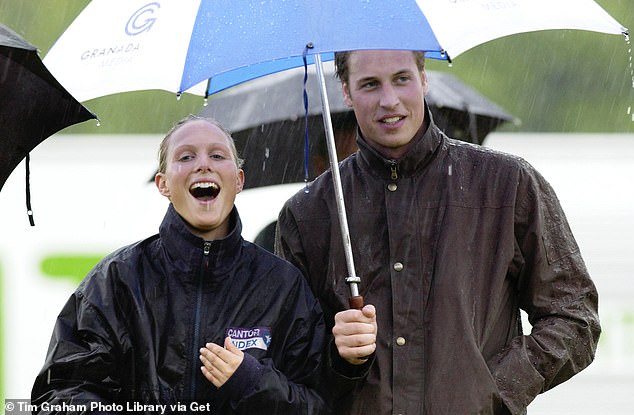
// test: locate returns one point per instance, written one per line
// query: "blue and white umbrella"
(205, 46)
(127, 45)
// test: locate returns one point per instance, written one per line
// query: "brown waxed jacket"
(450, 242)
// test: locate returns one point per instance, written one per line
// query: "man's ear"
(161, 184)
(423, 77)
(346, 94)
(240, 181)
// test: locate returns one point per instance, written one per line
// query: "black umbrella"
(266, 117)
(33, 105)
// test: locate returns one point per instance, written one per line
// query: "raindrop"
(629, 52)
(628, 44)
(205, 102)
(98, 122)
(266, 157)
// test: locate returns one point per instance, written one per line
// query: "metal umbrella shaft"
(355, 300)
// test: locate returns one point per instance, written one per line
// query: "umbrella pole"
(355, 300)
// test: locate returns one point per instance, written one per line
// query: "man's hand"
(355, 334)
(220, 363)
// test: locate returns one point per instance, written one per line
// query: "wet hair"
(341, 63)
(164, 146)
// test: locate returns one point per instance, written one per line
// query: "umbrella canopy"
(126, 45)
(266, 117)
(33, 104)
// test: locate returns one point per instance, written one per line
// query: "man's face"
(201, 178)
(385, 89)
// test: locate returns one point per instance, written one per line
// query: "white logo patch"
(250, 338)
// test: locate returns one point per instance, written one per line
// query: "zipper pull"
(206, 251)
(393, 169)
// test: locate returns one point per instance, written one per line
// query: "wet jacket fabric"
(449, 242)
(132, 331)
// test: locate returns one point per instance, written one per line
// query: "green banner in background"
(73, 267)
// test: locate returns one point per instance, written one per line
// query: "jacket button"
(392, 187)
(398, 267)
(400, 341)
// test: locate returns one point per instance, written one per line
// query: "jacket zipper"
(393, 169)
(199, 301)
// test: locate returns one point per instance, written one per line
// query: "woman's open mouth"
(204, 191)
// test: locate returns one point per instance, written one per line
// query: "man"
(194, 318)
(450, 240)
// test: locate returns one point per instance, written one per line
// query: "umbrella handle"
(356, 302)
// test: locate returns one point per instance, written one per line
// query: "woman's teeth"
(204, 190)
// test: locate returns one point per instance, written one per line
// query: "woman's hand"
(219, 363)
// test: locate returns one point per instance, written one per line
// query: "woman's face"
(201, 177)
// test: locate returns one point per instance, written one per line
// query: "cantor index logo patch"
(250, 338)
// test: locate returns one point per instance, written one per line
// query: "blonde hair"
(164, 146)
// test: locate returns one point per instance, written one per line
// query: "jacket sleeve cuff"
(511, 365)
(343, 368)
(244, 379)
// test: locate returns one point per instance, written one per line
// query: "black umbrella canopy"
(461, 111)
(33, 104)
(266, 117)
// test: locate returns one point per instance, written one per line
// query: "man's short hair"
(341, 63)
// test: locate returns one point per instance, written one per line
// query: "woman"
(193, 317)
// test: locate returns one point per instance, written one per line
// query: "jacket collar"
(426, 141)
(186, 250)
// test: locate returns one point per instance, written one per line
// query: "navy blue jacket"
(131, 332)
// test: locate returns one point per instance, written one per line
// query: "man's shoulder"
(317, 189)
(313, 203)
(484, 156)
